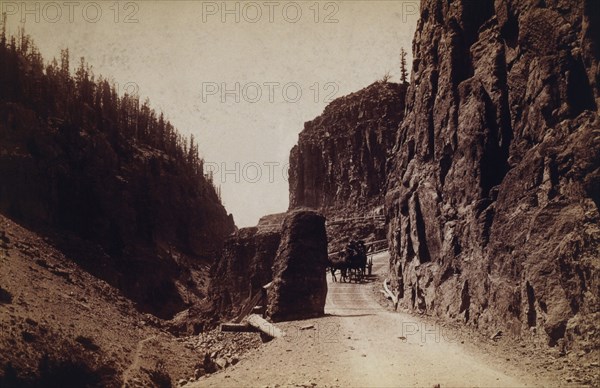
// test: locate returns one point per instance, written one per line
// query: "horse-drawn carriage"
(351, 262)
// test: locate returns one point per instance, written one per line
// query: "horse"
(340, 264)
(356, 259)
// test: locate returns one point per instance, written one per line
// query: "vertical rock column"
(299, 285)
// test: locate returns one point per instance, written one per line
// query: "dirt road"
(359, 343)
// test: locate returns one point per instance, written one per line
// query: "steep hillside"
(77, 159)
(494, 191)
(62, 327)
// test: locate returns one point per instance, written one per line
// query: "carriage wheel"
(357, 275)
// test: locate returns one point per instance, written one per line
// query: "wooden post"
(265, 298)
(264, 326)
(391, 294)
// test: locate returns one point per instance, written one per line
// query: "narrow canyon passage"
(358, 343)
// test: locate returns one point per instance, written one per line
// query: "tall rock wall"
(339, 163)
(494, 192)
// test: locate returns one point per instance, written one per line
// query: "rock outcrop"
(494, 192)
(299, 285)
(288, 249)
(339, 163)
(244, 267)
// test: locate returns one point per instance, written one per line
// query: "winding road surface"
(360, 344)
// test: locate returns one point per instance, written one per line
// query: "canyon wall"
(105, 177)
(493, 194)
(339, 163)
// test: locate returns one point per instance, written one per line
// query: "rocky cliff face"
(494, 192)
(339, 163)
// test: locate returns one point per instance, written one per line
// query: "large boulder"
(299, 285)
(245, 266)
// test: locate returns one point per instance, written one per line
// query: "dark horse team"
(351, 262)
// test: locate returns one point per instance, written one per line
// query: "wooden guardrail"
(341, 220)
(335, 221)
(367, 245)
(378, 252)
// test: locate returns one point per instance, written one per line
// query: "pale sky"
(283, 61)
